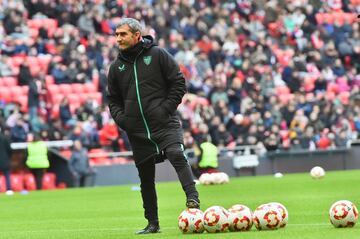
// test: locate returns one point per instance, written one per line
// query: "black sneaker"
(150, 228)
(193, 203)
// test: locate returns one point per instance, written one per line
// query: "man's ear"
(139, 37)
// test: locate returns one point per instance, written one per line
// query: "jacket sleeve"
(174, 79)
(116, 104)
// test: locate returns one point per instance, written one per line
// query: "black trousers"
(175, 154)
(38, 175)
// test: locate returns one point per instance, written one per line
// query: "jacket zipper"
(141, 109)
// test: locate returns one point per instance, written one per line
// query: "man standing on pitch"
(145, 86)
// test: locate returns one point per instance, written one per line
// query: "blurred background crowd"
(281, 73)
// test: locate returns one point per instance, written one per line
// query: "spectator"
(80, 167)
(5, 159)
(18, 132)
(66, 117)
(24, 75)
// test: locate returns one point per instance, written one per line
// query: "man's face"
(125, 38)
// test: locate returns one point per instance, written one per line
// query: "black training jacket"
(144, 90)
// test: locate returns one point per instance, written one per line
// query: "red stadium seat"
(25, 89)
(65, 89)
(44, 62)
(17, 91)
(29, 182)
(97, 96)
(16, 61)
(49, 80)
(57, 98)
(120, 160)
(23, 101)
(66, 153)
(9, 81)
(55, 111)
(89, 88)
(2, 184)
(100, 157)
(78, 88)
(34, 33)
(53, 89)
(17, 184)
(49, 181)
(5, 95)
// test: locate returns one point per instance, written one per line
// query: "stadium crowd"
(282, 73)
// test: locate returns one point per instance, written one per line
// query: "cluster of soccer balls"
(213, 178)
(239, 217)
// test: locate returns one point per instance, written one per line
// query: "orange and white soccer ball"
(283, 211)
(240, 218)
(191, 221)
(216, 219)
(343, 213)
(267, 217)
(317, 172)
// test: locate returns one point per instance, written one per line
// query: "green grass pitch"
(116, 212)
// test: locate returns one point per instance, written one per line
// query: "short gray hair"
(133, 24)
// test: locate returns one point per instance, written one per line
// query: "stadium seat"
(49, 80)
(5, 95)
(49, 181)
(78, 88)
(9, 81)
(65, 89)
(89, 88)
(44, 62)
(23, 101)
(100, 157)
(120, 160)
(73, 99)
(53, 89)
(97, 96)
(17, 91)
(16, 61)
(55, 111)
(2, 184)
(17, 184)
(57, 98)
(29, 182)
(25, 89)
(66, 153)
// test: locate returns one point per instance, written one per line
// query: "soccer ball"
(191, 221)
(216, 178)
(317, 172)
(205, 178)
(267, 217)
(343, 213)
(240, 218)
(216, 219)
(224, 178)
(283, 211)
(220, 178)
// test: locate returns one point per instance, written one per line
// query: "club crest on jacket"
(147, 60)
